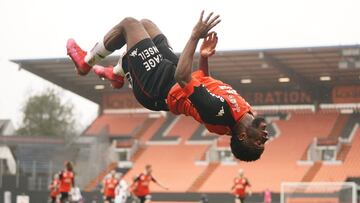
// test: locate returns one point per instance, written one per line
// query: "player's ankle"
(97, 53)
(118, 70)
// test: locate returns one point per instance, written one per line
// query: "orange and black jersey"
(142, 183)
(66, 181)
(240, 185)
(109, 186)
(208, 101)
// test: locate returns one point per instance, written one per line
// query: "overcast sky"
(40, 28)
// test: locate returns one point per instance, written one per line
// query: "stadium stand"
(349, 166)
(313, 126)
(118, 124)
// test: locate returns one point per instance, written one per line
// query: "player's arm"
(61, 175)
(51, 186)
(102, 190)
(249, 186)
(135, 180)
(207, 49)
(233, 186)
(159, 184)
(184, 67)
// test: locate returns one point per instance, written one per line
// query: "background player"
(241, 184)
(121, 190)
(141, 185)
(67, 181)
(54, 188)
(109, 184)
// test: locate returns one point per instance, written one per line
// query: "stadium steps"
(335, 132)
(343, 152)
(95, 181)
(311, 173)
(138, 153)
(145, 126)
(346, 132)
(200, 180)
(341, 120)
(304, 156)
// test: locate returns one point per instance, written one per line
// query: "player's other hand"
(203, 26)
(207, 48)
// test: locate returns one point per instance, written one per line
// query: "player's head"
(148, 169)
(118, 175)
(112, 173)
(241, 172)
(68, 166)
(248, 145)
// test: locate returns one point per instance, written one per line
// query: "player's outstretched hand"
(203, 26)
(207, 48)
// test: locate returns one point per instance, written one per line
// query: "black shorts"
(53, 199)
(144, 198)
(149, 73)
(64, 197)
(165, 49)
(242, 199)
(110, 199)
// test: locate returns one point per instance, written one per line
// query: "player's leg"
(64, 197)
(150, 76)
(129, 31)
(142, 199)
(160, 40)
(148, 198)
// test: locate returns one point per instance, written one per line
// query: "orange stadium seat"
(184, 128)
(179, 165)
(350, 166)
(117, 124)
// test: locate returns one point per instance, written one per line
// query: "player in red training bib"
(67, 181)
(54, 188)
(141, 185)
(161, 81)
(109, 184)
(240, 187)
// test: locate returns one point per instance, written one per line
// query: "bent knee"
(146, 21)
(129, 20)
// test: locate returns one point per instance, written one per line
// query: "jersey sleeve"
(61, 175)
(248, 183)
(137, 178)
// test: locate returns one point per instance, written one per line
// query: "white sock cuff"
(101, 49)
(97, 53)
(118, 70)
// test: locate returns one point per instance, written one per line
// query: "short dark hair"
(69, 166)
(245, 150)
(256, 122)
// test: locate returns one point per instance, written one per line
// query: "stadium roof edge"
(231, 66)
